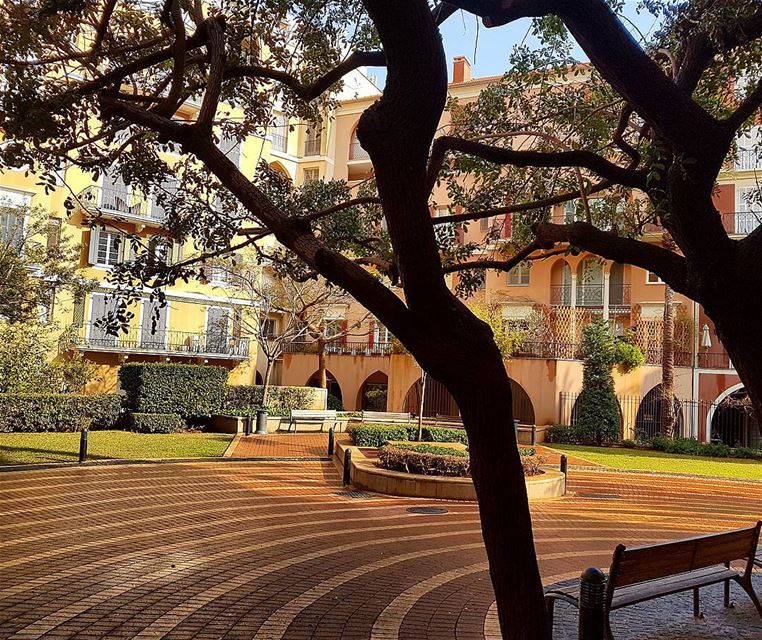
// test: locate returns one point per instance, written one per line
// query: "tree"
(598, 416)
(667, 400)
(673, 133)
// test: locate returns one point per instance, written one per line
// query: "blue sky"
(488, 49)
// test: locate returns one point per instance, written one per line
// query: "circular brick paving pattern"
(277, 550)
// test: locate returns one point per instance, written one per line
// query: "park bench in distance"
(311, 416)
(648, 572)
(385, 417)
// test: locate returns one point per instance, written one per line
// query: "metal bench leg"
(748, 587)
(726, 595)
(697, 604)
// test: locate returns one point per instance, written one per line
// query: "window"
(652, 278)
(749, 150)
(485, 224)
(54, 233)
(12, 217)
(109, 244)
(268, 328)
(231, 148)
(356, 152)
(218, 274)
(519, 275)
(570, 212)
(279, 134)
(311, 175)
(748, 209)
(160, 249)
(312, 141)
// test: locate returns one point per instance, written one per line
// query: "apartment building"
(200, 322)
(554, 299)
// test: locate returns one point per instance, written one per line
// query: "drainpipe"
(695, 431)
(606, 293)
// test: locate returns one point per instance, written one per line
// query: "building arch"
(258, 379)
(279, 168)
(729, 422)
(332, 385)
(648, 420)
(437, 400)
(523, 408)
(560, 283)
(373, 392)
(356, 151)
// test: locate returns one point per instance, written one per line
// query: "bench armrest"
(552, 596)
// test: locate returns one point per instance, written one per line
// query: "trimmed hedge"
(564, 434)
(408, 460)
(155, 422)
(376, 435)
(58, 411)
(431, 460)
(692, 447)
(245, 400)
(191, 390)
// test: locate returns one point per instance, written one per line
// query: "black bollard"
(592, 598)
(330, 442)
(261, 422)
(83, 445)
(347, 465)
(564, 464)
(249, 425)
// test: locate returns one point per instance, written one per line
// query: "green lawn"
(24, 448)
(670, 462)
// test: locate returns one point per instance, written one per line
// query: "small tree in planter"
(598, 418)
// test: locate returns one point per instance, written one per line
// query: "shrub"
(58, 412)
(692, 447)
(377, 435)
(245, 400)
(532, 465)
(442, 434)
(424, 447)
(629, 444)
(527, 452)
(562, 434)
(408, 460)
(155, 422)
(628, 356)
(598, 418)
(333, 403)
(191, 390)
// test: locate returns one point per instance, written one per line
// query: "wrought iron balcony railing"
(590, 295)
(312, 147)
(180, 343)
(741, 223)
(121, 203)
(749, 159)
(343, 349)
(714, 360)
(356, 152)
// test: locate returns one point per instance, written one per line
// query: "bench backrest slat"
(385, 416)
(639, 564)
(307, 413)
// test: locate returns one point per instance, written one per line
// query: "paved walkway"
(285, 445)
(279, 550)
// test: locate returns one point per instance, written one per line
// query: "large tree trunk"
(486, 408)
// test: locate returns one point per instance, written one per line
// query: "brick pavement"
(276, 550)
(285, 445)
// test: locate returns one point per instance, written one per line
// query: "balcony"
(748, 160)
(714, 360)
(166, 342)
(342, 349)
(591, 296)
(123, 205)
(741, 223)
(312, 147)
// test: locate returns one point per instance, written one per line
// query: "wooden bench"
(311, 416)
(386, 417)
(648, 572)
(452, 422)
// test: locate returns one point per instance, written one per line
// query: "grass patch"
(646, 460)
(28, 448)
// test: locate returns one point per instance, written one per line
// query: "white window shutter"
(177, 251)
(95, 233)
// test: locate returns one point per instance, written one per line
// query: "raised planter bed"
(367, 475)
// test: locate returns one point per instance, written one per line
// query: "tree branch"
(308, 92)
(561, 198)
(746, 109)
(580, 158)
(669, 266)
(620, 60)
